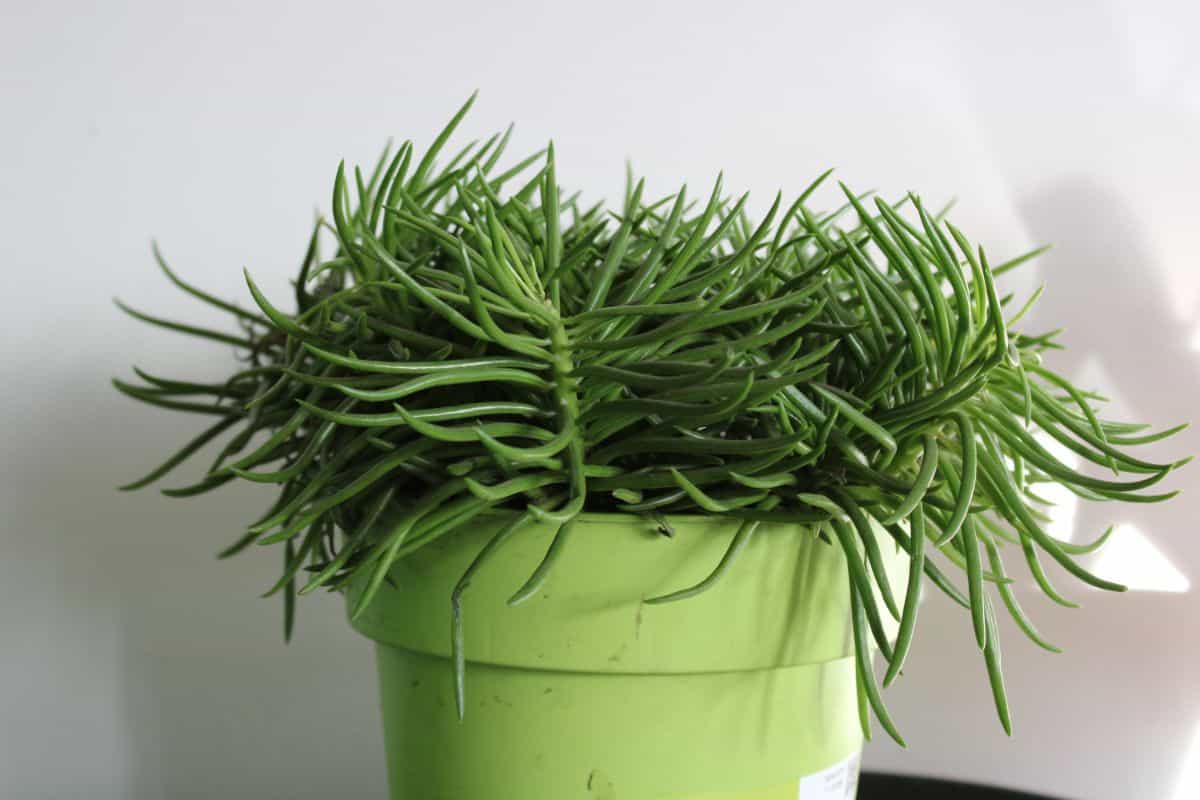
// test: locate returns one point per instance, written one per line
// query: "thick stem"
(566, 402)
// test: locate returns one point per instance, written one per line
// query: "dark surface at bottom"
(877, 786)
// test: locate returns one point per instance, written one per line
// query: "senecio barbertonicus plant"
(479, 343)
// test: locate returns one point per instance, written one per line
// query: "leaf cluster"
(478, 341)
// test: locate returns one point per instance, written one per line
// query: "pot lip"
(590, 621)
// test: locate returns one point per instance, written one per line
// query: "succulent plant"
(478, 341)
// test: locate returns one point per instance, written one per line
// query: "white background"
(132, 664)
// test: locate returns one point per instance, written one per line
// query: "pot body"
(745, 692)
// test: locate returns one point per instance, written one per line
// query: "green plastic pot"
(745, 692)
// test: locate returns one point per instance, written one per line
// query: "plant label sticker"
(839, 782)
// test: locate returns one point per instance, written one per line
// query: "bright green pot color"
(585, 691)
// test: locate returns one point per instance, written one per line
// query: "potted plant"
(628, 499)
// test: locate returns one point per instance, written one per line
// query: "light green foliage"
(480, 341)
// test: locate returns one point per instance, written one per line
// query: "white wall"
(133, 664)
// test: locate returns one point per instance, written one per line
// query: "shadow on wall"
(169, 675)
(1114, 714)
(1123, 338)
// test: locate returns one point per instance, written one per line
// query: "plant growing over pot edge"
(478, 342)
